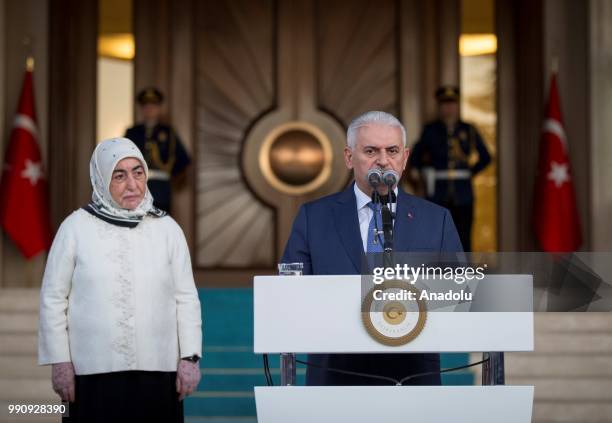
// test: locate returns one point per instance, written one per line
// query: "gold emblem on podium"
(393, 314)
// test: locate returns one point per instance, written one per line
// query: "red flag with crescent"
(24, 205)
(556, 220)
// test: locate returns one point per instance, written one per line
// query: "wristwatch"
(194, 358)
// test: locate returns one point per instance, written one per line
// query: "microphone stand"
(387, 226)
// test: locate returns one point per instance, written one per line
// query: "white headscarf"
(103, 162)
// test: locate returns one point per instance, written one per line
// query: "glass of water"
(291, 269)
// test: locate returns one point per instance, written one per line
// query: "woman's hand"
(187, 378)
(62, 377)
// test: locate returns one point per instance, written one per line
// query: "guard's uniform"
(162, 149)
(447, 161)
(166, 157)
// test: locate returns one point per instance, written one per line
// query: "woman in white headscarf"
(120, 318)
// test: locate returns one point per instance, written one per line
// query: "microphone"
(390, 178)
(375, 177)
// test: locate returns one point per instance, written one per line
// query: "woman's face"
(128, 183)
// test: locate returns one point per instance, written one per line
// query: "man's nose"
(383, 159)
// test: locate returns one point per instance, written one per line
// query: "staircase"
(571, 368)
(229, 367)
(22, 381)
(230, 370)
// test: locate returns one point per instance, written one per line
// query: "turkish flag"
(24, 205)
(555, 218)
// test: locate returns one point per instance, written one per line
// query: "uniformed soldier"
(160, 145)
(448, 154)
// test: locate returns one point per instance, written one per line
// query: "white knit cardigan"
(116, 298)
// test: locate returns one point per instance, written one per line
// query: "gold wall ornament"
(314, 142)
(296, 158)
(394, 322)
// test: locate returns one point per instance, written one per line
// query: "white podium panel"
(369, 404)
(322, 314)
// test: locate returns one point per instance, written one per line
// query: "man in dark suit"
(449, 154)
(331, 235)
(161, 147)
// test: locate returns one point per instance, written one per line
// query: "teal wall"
(230, 369)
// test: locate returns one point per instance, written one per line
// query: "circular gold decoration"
(394, 321)
(296, 158)
(394, 312)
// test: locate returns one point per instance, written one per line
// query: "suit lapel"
(404, 219)
(347, 224)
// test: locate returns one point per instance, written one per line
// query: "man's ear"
(348, 157)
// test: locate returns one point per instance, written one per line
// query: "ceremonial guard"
(448, 155)
(160, 145)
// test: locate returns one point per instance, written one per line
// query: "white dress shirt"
(116, 298)
(364, 213)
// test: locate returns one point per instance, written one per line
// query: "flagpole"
(554, 66)
(27, 44)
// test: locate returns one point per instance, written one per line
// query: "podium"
(322, 314)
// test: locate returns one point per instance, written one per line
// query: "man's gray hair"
(377, 117)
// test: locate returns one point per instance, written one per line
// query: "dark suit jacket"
(326, 238)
